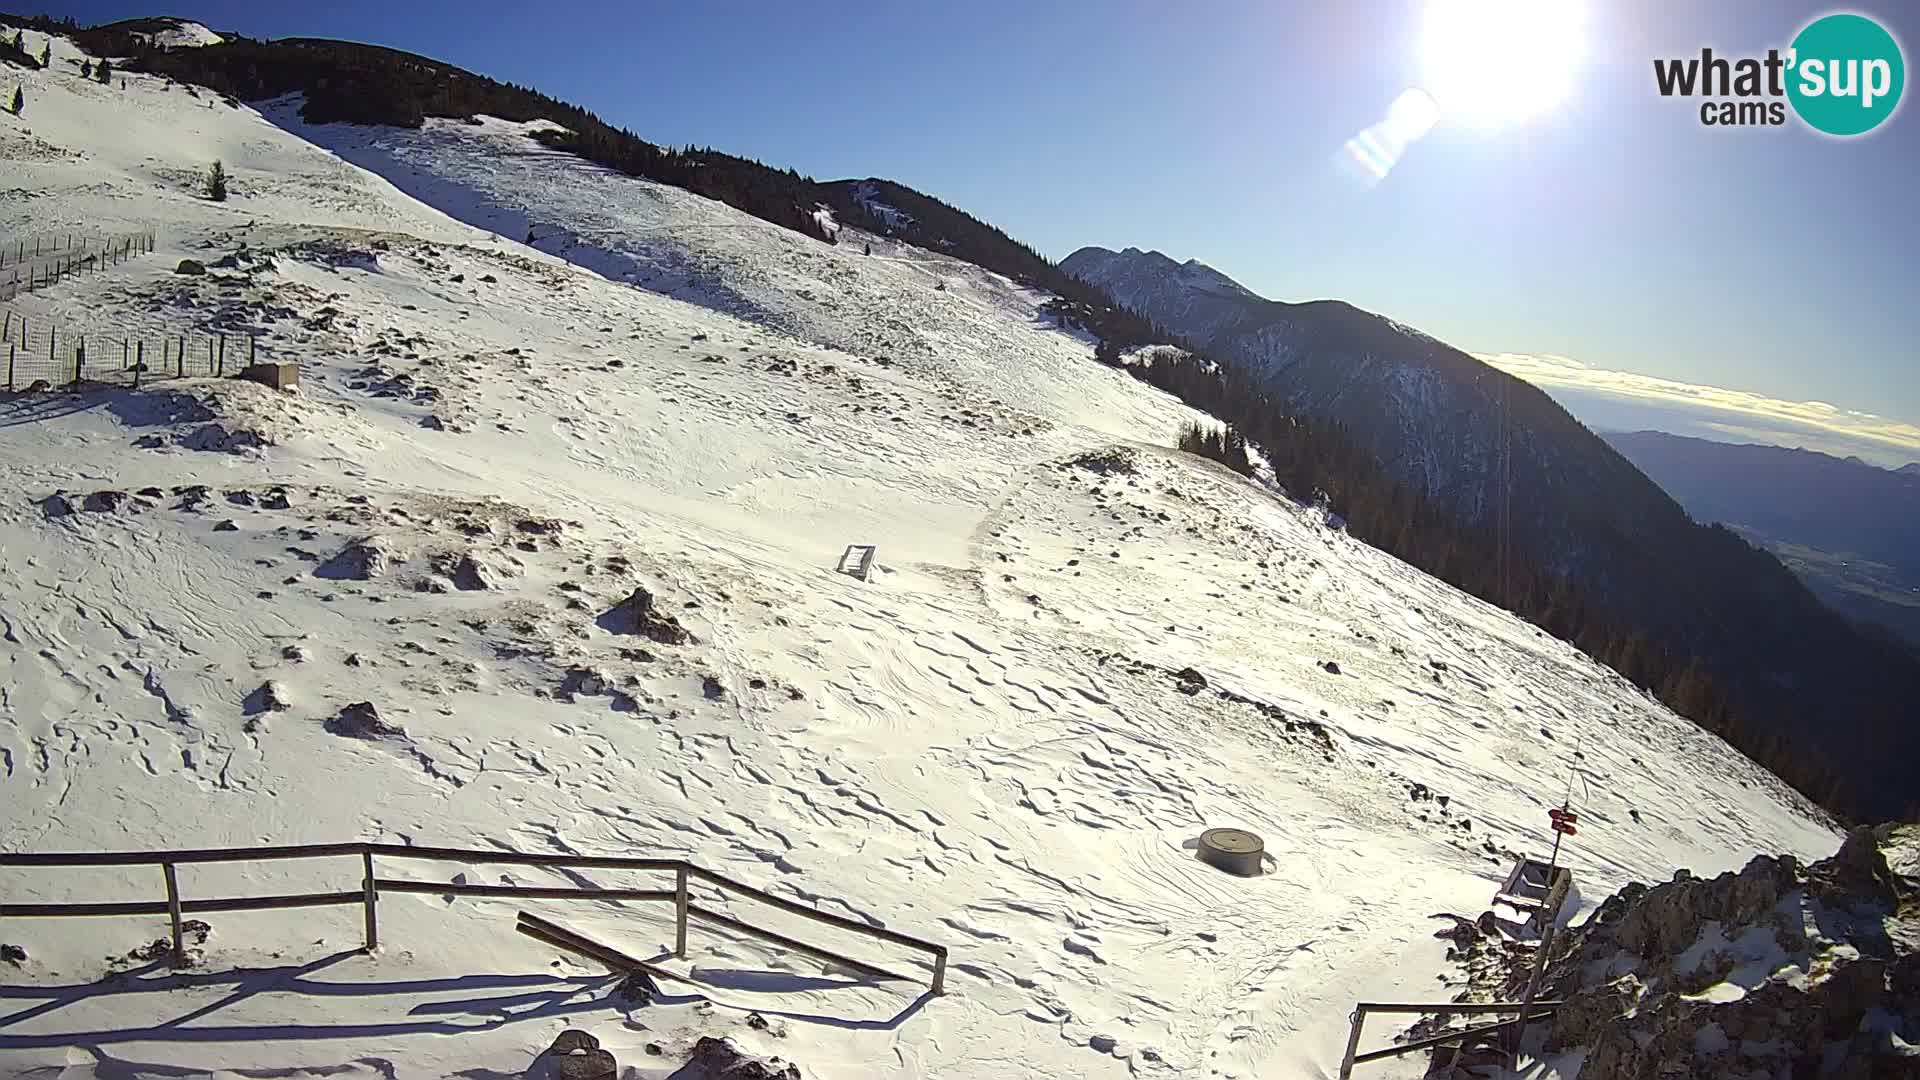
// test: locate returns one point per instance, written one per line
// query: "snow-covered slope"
(996, 743)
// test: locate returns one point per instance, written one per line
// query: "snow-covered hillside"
(1079, 648)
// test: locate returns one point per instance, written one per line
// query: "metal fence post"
(680, 911)
(221, 368)
(173, 914)
(10, 348)
(79, 358)
(372, 899)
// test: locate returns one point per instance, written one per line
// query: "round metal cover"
(1236, 851)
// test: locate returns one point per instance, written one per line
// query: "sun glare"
(1490, 64)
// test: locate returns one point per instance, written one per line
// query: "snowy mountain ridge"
(1008, 740)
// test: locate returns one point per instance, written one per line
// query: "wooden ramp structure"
(857, 561)
(1536, 888)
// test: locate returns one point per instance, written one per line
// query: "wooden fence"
(35, 352)
(371, 885)
(1528, 1012)
(30, 266)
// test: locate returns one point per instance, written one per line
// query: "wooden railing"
(1528, 1012)
(175, 907)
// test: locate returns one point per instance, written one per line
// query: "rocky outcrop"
(638, 615)
(1781, 969)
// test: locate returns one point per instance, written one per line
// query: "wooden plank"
(816, 915)
(1463, 1008)
(814, 951)
(1437, 1040)
(574, 941)
(523, 892)
(187, 907)
(192, 855)
(521, 858)
(173, 915)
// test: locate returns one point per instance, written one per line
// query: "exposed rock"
(362, 721)
(712, 688)
(1191, 681)
(191, 267)
(13, 954)
(1777, 970)
(638, 615)
(1331, 668)
(581, 680)
(271, 696)
(56, 506)
(360, 560)
(216, 438)
(467, 572)
(105, 502)
(719, 1059)
(228, 525)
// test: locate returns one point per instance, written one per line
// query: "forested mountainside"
(1666, 600)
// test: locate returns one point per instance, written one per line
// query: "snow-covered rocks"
(361, 720)
(1781, 968)
(638, 615)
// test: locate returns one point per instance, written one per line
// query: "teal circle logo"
(1846, 74)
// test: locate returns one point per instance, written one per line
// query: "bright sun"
(1493, 63)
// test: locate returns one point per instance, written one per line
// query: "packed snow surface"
(1078, 650)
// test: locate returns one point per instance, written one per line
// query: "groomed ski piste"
(990, 744)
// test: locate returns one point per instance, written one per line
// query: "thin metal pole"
(680, 912)
(139, 361)
(173, 915)
(372, 899)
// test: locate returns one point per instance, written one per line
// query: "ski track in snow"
(986, 745)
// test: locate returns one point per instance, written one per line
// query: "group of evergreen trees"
(366, 84)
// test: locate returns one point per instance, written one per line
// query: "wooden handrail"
(818, 953)
(370, 888)
(817, 915)
(187, 907)
(523, 892)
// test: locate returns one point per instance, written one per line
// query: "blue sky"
(1613, 229)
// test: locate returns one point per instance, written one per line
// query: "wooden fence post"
(10, 348)
(680, 912)
(173, 914)
(51, 333)
(79, 359)
(139, 361)
(221, 368)
(180, 357)
(1358, 1019)
(372, 899)
(253, 349)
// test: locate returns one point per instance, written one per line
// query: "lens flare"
(1373, 153)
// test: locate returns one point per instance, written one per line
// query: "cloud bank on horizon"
(1621, 400)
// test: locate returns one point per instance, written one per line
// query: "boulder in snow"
(360, 560)
(362, 721)
(637, 615)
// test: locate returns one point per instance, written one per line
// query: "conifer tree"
(103, 71)
(86, 69)
(19, 101)
(217, 182)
